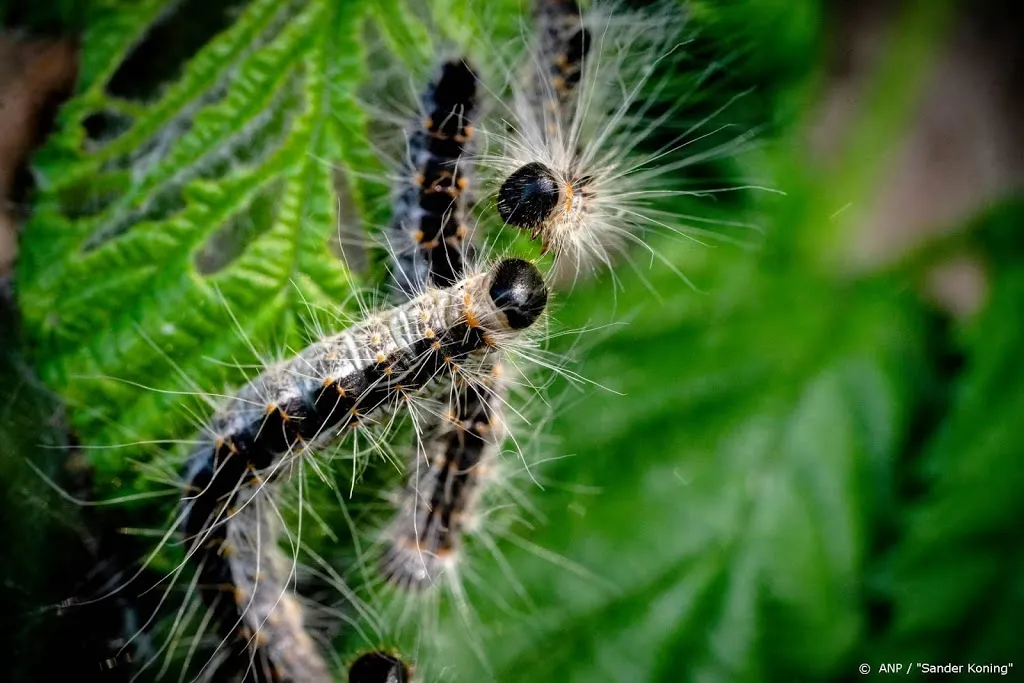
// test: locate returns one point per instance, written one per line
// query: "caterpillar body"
(246, 587)
(436, 508)
(428, 232)
(335, 385)
(562, 45)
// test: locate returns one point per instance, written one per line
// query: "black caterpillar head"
(379, 667)
(518, 291)
(528, 196)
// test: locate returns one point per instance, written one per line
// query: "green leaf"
(213, 198)
(955, 578)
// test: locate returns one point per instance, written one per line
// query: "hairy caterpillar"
(437, 504)
(244, 578)
(428, 231)
(562, 45)
(570, 167)
(336, 384)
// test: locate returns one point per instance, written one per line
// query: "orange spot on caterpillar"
(408, 542)
(467, 133)
(471, 319)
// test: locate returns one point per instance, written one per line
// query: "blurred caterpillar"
(437, 506)
(335, 385)
(428, 234)
(562, 43)
(570, 168)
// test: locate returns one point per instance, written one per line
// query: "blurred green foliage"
(808, 469)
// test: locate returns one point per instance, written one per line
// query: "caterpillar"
(337, 384)
(562, 45)
(428, 230)
(435, 510)
(570, 168)
(247, 581)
